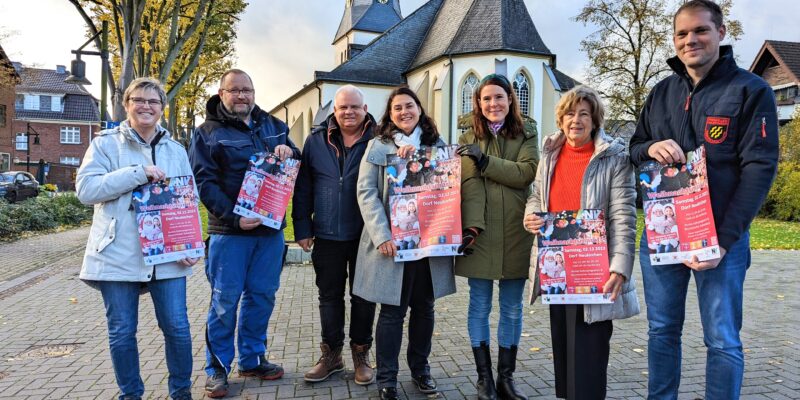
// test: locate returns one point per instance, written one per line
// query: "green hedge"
(783, 200)
(41, 213)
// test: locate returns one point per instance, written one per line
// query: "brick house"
(64, 115)
(8, 81)
(779, 64)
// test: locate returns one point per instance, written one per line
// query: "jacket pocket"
(103, 232)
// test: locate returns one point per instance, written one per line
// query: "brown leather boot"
(329, 363)
(364, 375)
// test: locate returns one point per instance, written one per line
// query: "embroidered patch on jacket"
(717, 129)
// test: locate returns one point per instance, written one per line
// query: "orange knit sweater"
(565, 185)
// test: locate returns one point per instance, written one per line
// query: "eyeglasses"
(140, 101)
(236, 92)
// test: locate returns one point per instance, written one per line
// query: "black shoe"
(483, 364)
(217, 384)
(183, 395)
(264, 370)
(425, 383)
(388, 393)
(506, 364)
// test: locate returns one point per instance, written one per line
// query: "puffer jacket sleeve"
(473, 193)
(97, 180)
(622, 217)
(370, 199)
(517, 174)
(303, 198)
(534, 203)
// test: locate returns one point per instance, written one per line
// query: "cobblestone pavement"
(53, 341)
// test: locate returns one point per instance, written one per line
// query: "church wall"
(548, 124)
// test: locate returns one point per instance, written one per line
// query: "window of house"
(2, 115)
(522, 90)
(467, 92)
(70, 160)
(19, 102)
(31, 101)
(44, 103)
(70, 135)
(22, 141)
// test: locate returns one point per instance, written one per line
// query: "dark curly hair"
(387, 128)
(513, 126)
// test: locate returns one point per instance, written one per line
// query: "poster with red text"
(267, 189)
(679, 223)
(169, 220)
(573, 257)
(425, 203)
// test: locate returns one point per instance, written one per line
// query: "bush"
(783, 200)
(41, 213)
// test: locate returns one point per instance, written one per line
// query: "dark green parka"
(493, 200)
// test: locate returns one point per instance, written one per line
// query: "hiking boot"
(217, 384)
(329, 363)
(364, 375)
(264, 370)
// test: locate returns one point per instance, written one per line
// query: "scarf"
(401, 139)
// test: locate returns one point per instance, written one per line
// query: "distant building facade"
(8, 82)
(441, 51)
(65, 117)
(778, 63)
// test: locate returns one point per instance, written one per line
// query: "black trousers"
(580, 353)
(417, 293)
(335, 264)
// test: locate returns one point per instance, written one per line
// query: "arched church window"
(522, 90)
(467, 91)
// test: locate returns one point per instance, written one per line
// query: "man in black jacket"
(708, 101)
(244, 257)
(326, 216)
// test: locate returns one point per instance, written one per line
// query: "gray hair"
(233, 71)
(348, 89)
(146, 83)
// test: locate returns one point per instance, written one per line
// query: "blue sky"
(282, 42)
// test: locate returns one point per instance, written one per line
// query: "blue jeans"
(719, 293)
(121, 300)
(246, 268)
(509, 328)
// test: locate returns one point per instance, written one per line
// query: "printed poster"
(679, 223)
(267, 188)
(573, 257)
(169, 220)
(425, 203)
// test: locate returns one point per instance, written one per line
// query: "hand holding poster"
(678, 220)
(267, 188)
(573, 257)
(425, 203)
(169, 220)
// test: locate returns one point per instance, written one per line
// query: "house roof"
(79, 105)
(39, 80)
(76, 108)
(784, 53)
(471, 26)
(441, 28)
(370, 16)
(565, 81)
(386, 59)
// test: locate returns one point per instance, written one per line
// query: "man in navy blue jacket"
(326, 216)
(708, 101)
(244, 257)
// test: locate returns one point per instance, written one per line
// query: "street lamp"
(28, 145)
(78, 67)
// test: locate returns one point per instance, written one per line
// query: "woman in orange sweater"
(582, 167)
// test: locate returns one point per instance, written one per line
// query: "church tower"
(363, 20)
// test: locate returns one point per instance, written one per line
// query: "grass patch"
(765, 234)
(288, 232)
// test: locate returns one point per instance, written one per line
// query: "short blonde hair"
(146, 83)
(571, 100)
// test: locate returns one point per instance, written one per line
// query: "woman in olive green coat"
(498, 163)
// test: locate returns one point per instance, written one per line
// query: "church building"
(441, 51)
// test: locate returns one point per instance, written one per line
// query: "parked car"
(18, 185)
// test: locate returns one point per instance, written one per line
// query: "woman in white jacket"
(118, 160)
